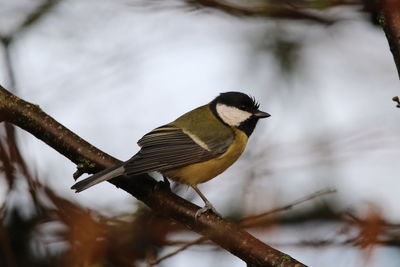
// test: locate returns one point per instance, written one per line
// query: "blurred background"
(113, 70)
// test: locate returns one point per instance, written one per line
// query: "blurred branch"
(7, 40)
(291, 9)
(255, 220)
(227, 235)
(371, 230)
(182, 248)
(394, 242)
(389, 18)
(319, 4)
(397, 100)
(5, 247)
(31, 19)
(41, 10)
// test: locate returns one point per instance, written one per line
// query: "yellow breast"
(203, 171)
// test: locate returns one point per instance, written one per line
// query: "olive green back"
(202, 123)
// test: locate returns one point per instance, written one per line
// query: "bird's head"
(238, 110)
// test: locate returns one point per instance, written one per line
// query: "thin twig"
(391, 242)
(184, 247)
(279, 11)
(252, 220)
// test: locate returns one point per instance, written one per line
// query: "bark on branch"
(162, 201)
(389, 18)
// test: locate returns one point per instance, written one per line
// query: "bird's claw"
(204, 209)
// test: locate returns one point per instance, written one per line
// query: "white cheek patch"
(231, 115)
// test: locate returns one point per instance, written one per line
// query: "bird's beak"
(261, 114)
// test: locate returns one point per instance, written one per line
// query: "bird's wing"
(169, 147)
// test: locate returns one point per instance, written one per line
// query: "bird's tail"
(99, 177)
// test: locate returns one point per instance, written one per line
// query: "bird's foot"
(204, 209)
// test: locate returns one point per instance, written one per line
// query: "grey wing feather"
(164, 148)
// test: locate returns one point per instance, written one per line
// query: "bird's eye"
(242, 107)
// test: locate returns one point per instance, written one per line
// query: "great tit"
(194, 148)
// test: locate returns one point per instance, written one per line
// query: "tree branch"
(389, 18)
(227, 235)
(299, 10)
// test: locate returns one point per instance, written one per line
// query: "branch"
(397, 100)
(255, 220)
(33, 17)
(162, 201)
(389, 18)
(274, 9)
(182, 248)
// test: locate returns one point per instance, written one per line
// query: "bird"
(194, 148)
